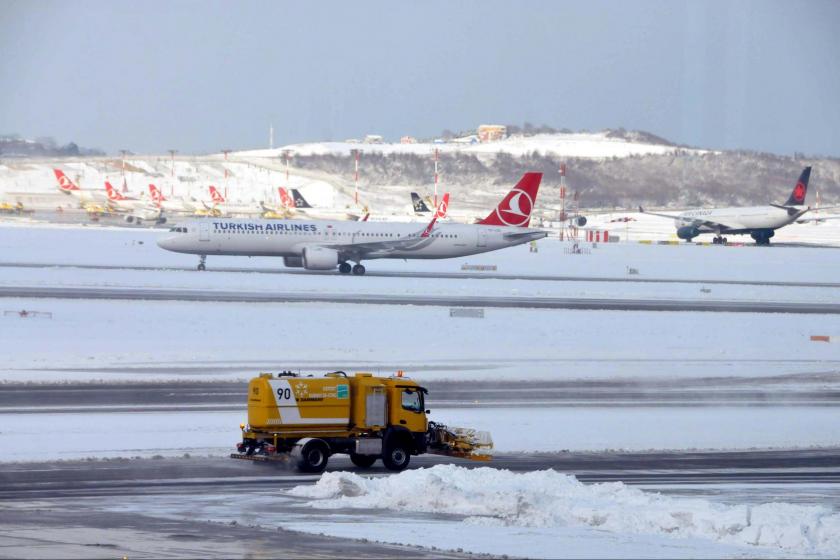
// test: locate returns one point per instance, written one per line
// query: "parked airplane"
(180, 205)
(299, 207)
(84, 196)
(220, 205)
(761, 222)
(281, 210)
(327, 244)
(419, 204)
(137, 210)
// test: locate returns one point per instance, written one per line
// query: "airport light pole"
(436, 178)
(123, 152)
(172, 178)
(226, 151)
(356, 179)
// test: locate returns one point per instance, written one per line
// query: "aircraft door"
(204, 231)
(482, 237)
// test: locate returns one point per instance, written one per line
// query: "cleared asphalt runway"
(230, 396)
(444, 275)
(532, 302)
(28, 481)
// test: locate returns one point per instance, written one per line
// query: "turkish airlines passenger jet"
(67, 186)
(221, 204)
(761, 222)
(329, 244)
(177, 205)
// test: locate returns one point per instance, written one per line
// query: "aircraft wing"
(414, 241)
(529, 234)
(817, 219)
(360, 250)
(643, 211)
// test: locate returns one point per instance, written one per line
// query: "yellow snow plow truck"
(307, 419)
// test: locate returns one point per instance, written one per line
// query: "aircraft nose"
(167, 242)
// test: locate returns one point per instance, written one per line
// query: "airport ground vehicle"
(307, 419)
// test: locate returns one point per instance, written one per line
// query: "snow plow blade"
(465, 443)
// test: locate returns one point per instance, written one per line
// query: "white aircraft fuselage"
(351, 241)
(739, 219)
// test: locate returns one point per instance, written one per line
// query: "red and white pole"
(436, 178)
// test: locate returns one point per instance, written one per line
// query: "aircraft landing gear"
(344, 268)
(201, 262)
(358, 269)
(720, 240)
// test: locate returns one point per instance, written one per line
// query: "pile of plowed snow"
(549, 499)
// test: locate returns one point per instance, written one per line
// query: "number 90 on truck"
(308, 419)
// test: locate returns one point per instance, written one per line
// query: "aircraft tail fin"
(515, 208)
(300, 202)
(156, 195)
(65, 184)
(419, 205)
(286, 200)
(797, 196)
(112, 192)
(440, 212)
(216, 196)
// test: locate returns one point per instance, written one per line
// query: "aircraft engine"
(319, 258)
(579, 221)
(293, 262)
(687, 232)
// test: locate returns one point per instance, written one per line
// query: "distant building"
(408, 140)
(373, 139)
(491, 132)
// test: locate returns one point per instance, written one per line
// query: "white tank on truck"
(309, 418)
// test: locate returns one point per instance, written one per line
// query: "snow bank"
(547, 499)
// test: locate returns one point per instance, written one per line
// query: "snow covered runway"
(608, 379)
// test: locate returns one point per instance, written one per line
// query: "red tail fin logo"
(515, 209)
(443, 207)
(64, 182)
(156, 194)
(440, 212)
(285, 199)
(112, 194)
(216, 195)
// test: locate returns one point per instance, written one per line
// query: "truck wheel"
(363, 461)
(396, 457)
(312, 456)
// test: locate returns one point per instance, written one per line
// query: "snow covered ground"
(539, 514)
(122, 340)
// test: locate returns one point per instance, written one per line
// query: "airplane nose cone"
(166, 242)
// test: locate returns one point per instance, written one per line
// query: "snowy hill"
(597, 145)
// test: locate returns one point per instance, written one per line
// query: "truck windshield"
(412, 400)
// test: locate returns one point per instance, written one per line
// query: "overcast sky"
(202, 76)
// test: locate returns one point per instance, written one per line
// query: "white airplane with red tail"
(334, 244)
